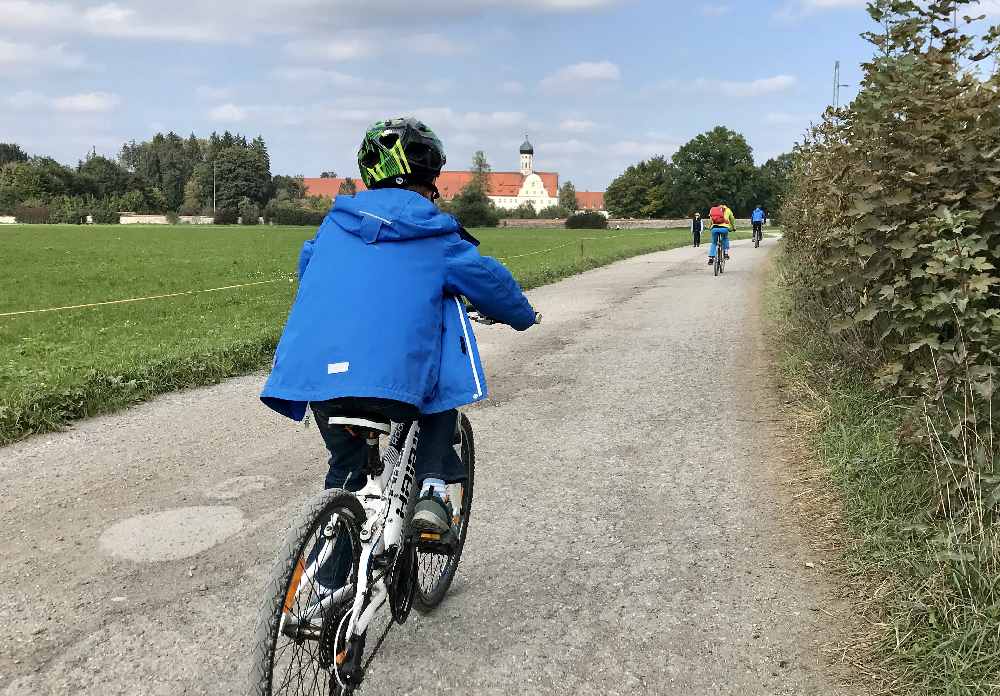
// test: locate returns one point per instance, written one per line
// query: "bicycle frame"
(387, 501)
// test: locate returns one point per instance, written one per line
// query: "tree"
(525, 211)
(288, 188)
(567, 196)
(771, 183)
(11, 152)
(644, 190)
(104, 176)
(481, 170)
(347, 187)
(237, 172)
(714, 167)
(328, 175)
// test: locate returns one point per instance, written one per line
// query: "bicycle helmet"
(399, 152)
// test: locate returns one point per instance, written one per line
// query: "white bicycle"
(312, 637)
(350, 557)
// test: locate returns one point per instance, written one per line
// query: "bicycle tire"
(718, 261)
(434, 576)
(303, 534)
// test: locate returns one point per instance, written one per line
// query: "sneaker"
(726, 257)
(711, 260)
(432, 515)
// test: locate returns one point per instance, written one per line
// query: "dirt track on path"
(613, 548)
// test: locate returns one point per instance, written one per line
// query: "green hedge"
(587, 221)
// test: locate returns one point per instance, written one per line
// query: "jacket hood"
(391, 215)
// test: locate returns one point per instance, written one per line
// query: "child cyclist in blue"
(377, 326)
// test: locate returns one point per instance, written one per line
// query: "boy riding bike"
(389, 258)
(723, 222)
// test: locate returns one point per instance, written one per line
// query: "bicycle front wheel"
(311, 588)
(436, 567)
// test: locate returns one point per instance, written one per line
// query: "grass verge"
(60, 366)
(929, 614)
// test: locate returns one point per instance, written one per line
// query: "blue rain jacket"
(377, 312)
(758, 215)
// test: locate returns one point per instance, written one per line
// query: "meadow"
(62, 365)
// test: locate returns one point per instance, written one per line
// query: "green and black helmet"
(399, 152)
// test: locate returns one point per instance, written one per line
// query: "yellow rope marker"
(142, 299)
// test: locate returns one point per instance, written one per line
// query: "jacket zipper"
(472, 357)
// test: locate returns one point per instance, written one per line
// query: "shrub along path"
(60, 366)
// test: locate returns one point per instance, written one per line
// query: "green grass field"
(62, 365)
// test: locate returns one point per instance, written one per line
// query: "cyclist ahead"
(377, 326)
(758, 218)
(723, 222)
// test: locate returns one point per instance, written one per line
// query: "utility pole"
(213, 188)
(837, 84)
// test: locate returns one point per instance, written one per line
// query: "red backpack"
(718, 215)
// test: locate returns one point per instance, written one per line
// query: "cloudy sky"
(598, 84)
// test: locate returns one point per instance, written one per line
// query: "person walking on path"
(697, 224)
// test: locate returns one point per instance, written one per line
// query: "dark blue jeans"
(436, 456)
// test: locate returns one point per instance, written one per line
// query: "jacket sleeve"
(305, 255)
(488, 285)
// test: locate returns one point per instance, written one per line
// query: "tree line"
(717, 166)
(226, 176)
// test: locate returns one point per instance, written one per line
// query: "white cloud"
(322, 77)
(572, 146)
(512, 87)
(363, 45)
(757, 88)
(715, 10)
(989, 7)
(229, 113)
(85, 103)
(338, 49)
(108, 19)
(577, 125)
(26, 99)
(445, 117)
(21, 14)
(793, 10)
(90, 103)
(582, 74)
(779, 118)
(214, 93)
(29, 57)
(731, 88)
(642, 149)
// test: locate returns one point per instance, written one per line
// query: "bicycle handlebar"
(480, 318)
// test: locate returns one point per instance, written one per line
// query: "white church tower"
(527, 157)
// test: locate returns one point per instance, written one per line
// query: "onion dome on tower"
(527, 157)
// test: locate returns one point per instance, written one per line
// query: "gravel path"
(615, 548)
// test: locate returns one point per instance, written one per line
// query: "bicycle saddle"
(368, 421)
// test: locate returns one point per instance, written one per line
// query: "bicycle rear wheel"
(310, 589)
(718, 260)
(435, 568)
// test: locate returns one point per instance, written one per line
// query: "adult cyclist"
(377, 326)
(758, 219)
(723, 222)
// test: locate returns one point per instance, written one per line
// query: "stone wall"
(134, 219)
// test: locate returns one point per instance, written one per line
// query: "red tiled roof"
(449, 184)
(328, 188)
(590, 200)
